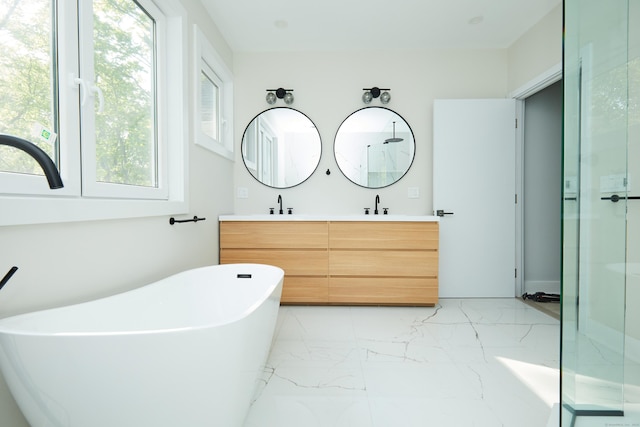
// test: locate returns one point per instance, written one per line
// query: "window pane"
(124, 61)
(27, 81)
(209, 101)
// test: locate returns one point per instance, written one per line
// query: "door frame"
(542, 81)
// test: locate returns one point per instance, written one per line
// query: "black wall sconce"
(274, 94)
(376, 92)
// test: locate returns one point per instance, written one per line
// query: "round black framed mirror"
(281, 147)
(374, 147)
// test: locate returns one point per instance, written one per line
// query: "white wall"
(328, 87)
(72, 262)
(537, 51)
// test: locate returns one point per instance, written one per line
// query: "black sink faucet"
(375, 211)
(280, 201)
(45, 162)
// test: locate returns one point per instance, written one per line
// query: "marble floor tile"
(465, 362)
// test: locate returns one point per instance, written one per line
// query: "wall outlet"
(242, 193)
(413, 192)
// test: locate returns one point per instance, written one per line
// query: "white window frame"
(91, 187)
(28, 200)
(208, 60)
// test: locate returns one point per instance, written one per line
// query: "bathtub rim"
(15, 329)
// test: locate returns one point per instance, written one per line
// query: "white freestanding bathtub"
(184, 351)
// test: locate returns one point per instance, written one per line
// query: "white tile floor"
(465, 362)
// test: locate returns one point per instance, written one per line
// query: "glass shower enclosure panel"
(596, 114)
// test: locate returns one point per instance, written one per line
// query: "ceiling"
(339, 25)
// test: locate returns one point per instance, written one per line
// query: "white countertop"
(361, 217)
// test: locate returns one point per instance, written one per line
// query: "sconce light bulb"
(385, 97)
(367, 97)
(288, 98)
(271, 98)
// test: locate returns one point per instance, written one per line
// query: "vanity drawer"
(293, 262)
(273, 234)
(383, 263)
(308, 289)
(392, 291)
(383, 235)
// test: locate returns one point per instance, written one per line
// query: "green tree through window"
(124, 64)
(122, 85)
(27, 76)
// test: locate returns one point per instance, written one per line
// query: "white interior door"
(474, 179)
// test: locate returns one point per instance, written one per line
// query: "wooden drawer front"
(273, 234)
(304, 290)
(383, 263)
(411, 291)
(383, 235)
(296, 263)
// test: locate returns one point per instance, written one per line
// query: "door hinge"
(516, 123)
(515, 273)
(516, 199)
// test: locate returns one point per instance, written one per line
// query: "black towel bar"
(172, 220)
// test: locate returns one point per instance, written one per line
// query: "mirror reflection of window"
(267, 141)
(249, 149)
(374, 147)
(281, 147)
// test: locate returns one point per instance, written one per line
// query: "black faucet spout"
(45, 162)
(375, 212)
(280, 202)
(7, 276)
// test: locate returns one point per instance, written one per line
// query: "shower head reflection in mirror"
(374, 147)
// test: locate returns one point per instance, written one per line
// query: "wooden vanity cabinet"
(341, 262)
(392, 263)
(298, 247)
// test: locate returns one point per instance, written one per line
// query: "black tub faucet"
(45, 162)
(280, 201)
(7, 276)
(375, 211)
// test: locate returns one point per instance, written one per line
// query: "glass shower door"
(596, 114)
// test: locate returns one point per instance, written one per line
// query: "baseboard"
(549, 287)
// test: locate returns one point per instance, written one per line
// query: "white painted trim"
(205, 53)
(538, 83)
(535, 85)
(519, 171)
